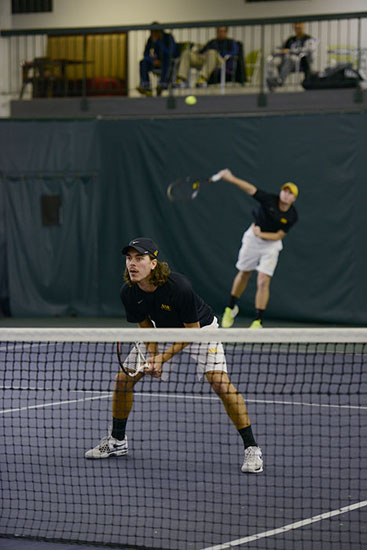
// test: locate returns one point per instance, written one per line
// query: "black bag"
(342, 75)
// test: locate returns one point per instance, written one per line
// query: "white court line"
(266, 401)
(55, 403)
(304, 404)
(171, 396)
(285, 528)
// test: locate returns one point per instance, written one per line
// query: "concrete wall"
(84, 13)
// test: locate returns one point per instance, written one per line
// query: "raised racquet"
(133, 362)
(188, 188)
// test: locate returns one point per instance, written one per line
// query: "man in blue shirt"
(159, 51)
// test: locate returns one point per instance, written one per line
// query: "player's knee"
(243, 276)
(219, 383)
(122, 380)
(263, 281)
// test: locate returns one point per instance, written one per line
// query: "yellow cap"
(292, 188)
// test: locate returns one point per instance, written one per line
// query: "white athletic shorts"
(208, 357)
(258, 254)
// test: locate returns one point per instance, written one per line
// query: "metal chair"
(40, 73)
(232, 69)
(297, 55)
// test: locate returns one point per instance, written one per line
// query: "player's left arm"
(156, 362)
(267, 235)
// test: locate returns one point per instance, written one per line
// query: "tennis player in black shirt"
(153, 296)
(261, 244)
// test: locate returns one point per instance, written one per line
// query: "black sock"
(248, 437)
(118, 428)
(232, 301)
(259, 314)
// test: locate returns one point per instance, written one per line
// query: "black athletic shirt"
(268, 216)
(171, 305)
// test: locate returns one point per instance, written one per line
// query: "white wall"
(87, 13)
(5, 22)
(84, 13)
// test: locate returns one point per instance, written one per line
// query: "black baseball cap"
(143, 245)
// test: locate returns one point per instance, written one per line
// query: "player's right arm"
(244, 185)
(156, 359)
(152, 347)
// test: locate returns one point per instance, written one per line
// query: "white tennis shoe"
(109, 446)
(253, 463)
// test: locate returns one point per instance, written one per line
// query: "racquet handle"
(216, 177)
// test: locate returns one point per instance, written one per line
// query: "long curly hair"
(158, 276)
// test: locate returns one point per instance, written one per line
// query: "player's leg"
(236, 409)
(122, 402)
(232, 400)
(238, 287)
(240, 283)
(248, 260)
(115, 443)
(261, 298)
(267, 265)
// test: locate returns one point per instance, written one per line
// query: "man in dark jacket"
(159, 51)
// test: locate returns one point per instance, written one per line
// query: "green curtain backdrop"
(112, 177)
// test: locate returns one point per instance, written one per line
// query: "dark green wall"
(112, 176)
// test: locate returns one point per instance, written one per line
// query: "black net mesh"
(180, 486)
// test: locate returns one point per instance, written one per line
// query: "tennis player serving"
(155, 296)
(261, 244)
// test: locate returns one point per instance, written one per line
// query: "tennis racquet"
(188, 188)
(133, 362)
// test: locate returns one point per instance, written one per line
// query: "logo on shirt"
(165, 307)
(283, 220)
(213, 350)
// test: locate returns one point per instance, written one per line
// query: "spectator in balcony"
(159, 51)
(296, 54)
(206, 59)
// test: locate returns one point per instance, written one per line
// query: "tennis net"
(180, 486)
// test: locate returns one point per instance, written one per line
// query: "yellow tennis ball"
(190, 100)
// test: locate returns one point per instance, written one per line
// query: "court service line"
(270, 401)
(304, 404)
(178, 396)
(266, 401)
(55, 403)
(289, 527)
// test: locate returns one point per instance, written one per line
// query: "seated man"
(207, 59)
(296, 54)
(159, 51)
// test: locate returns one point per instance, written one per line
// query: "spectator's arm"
(232, 48)
(208, 46)
(148, 46)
